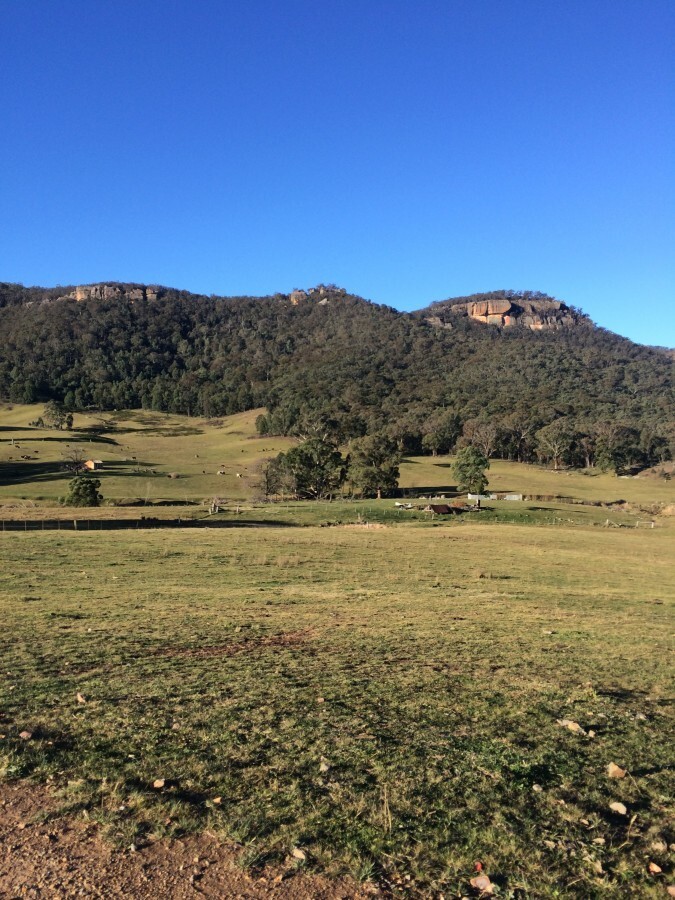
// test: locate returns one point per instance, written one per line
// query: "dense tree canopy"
(353, 367)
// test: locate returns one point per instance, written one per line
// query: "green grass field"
(141, 449)
(386, 699)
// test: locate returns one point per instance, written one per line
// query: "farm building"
(93, 465)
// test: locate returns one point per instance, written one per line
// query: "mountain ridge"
(503, 308)
(325, 354)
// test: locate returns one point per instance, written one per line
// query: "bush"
(83, 491)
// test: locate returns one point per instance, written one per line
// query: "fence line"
(126, 524)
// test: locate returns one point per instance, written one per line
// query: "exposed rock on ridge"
(508, 310)
(111, 291)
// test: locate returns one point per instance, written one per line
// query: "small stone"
(550, 845)
(299, 854)
(614, 771)
(600, 841)
(571, 726)
(483, 884)
(26, 735)
(537, 788)
(158, 783)
(654, 868)
(618, 808)
(320, 700)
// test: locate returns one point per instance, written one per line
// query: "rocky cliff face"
(507, 310)
(111, 291)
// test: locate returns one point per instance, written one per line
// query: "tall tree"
(554, 441)
(316, 467)
(373, 465)
(469, 469)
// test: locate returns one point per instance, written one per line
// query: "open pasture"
(387, 699)
(141, 449)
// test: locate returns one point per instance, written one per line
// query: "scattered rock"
(614, 771)
(618, 808)
(80, 698)
(26, 735)
(299, 854)
(158, 783)
(571, 726)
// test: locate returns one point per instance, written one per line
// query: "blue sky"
(408, 151)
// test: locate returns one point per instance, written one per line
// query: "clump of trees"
(317, 470)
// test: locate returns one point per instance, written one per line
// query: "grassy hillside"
(141, 449)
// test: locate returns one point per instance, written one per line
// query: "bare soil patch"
(45, 855)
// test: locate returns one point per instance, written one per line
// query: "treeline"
(343, 364)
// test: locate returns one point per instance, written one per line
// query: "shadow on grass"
(36, 471)
(432, 490)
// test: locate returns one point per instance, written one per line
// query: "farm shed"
(93, 465)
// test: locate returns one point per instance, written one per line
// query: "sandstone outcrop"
(524, 310)
(113, 291)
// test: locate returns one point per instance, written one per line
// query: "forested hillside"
(428, 379)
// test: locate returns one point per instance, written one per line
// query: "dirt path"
(66, 857)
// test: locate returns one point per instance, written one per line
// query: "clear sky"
(408, 151)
